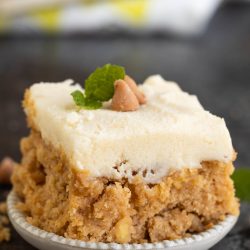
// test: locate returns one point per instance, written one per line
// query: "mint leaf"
(100, 84)
(92, 104)
(83, 102)
(79, 98)
(241, 177)
(99, 87)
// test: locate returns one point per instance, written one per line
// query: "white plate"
(44, 240)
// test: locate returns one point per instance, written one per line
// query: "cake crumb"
(3, 208)
(4, 234)
(4, 222)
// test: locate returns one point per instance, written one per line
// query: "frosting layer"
(171, 131)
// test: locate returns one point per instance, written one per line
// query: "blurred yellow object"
(48, 19)
(133, 10)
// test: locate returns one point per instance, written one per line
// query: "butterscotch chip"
(6, 169)
(132, 84)
(123, 230)
(124, 98)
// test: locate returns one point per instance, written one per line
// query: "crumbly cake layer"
(169, 132)
(59, 199)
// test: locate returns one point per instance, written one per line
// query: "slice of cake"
(159, 171)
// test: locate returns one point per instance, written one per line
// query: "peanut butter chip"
(6, 168)
(124, 99)
(131, 83)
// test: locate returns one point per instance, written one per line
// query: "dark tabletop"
(215, 66)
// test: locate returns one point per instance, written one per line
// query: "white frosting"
(171, 131)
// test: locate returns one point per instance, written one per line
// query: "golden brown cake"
(4, 223)
(160, 172)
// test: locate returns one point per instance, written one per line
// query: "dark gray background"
(215, 66)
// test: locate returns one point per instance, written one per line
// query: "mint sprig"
(99, 87)
(241, 178)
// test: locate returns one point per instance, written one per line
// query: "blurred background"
(204, 45)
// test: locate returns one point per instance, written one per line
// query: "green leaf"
(100, 84)
(92, 104)
(83, 102)
(79, 98)
(241, 177)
